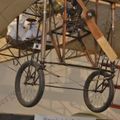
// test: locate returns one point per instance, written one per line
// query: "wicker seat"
(27, 44)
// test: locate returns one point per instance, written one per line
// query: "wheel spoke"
(98, 91)
(29, 86)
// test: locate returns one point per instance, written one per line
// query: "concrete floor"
(54, 101)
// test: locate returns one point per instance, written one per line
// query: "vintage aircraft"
(60, 20)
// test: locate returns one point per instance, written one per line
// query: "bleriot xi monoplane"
(34, 28)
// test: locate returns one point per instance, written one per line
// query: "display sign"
(39, 117)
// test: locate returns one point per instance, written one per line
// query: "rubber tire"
(85, 92)
(41, 86)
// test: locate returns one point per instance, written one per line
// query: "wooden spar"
(54, 41)
(44, 34)
(96, 18)
(97, 34)
(64, 29)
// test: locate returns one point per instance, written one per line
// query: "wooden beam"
(97, 34)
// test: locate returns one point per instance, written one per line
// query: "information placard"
(39, 117)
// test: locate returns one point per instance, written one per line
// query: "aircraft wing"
(9, 9)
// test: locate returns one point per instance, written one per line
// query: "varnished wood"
(97, 34)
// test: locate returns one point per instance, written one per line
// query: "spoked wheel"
(98, 91)
(29, 84)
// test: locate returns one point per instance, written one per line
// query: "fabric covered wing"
(9, 9)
